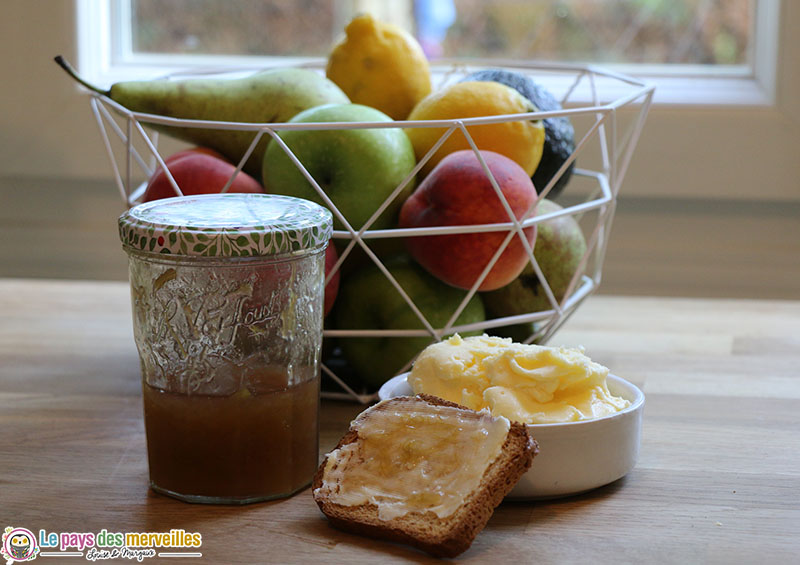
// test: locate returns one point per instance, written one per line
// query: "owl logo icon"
(19, 545)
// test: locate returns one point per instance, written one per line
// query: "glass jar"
(227, 293)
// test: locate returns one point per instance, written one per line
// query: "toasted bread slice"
(442, 533)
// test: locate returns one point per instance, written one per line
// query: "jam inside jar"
(229, 342)
(238, 448)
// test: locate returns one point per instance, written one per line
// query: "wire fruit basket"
(607, 109)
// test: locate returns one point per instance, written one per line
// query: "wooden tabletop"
(717, 481)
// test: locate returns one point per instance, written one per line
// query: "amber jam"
(239, 448)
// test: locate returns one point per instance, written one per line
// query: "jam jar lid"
(226, 225)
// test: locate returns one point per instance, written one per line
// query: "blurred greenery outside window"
(694, 32)
(649, 38)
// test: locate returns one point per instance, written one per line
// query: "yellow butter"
(413, 458)
(528, 383)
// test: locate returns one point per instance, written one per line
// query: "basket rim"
(640, 89)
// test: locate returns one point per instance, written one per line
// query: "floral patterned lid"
(226, 225)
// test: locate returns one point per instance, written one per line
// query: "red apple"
(332, 288)
(458, 192)
(198, 171)
(192, 151)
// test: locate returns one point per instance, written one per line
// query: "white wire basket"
(607, 109)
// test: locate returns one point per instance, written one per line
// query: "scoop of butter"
(532, 384)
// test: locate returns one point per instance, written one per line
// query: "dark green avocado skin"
(559, 135)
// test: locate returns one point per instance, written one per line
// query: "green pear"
(559, 247)
(270, 96)
(368, 301)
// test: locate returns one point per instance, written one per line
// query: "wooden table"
(718, 479)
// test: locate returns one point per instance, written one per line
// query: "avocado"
(559, 135)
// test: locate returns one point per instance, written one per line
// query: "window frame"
(105, 57)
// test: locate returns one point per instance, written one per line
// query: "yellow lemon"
(521, 141)
(380, 65)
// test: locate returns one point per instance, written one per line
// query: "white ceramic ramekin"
(573, 457)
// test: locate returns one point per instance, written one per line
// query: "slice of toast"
(421, 526)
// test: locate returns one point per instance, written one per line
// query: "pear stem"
(62, 62)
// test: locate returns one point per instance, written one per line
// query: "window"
(726, 47)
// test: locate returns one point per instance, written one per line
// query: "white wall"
(47, 129)
(44, 124)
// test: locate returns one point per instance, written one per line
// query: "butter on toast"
(423, 471)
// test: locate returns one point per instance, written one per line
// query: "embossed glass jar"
(227, 293)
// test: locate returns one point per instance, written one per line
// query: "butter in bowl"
(586, 421)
